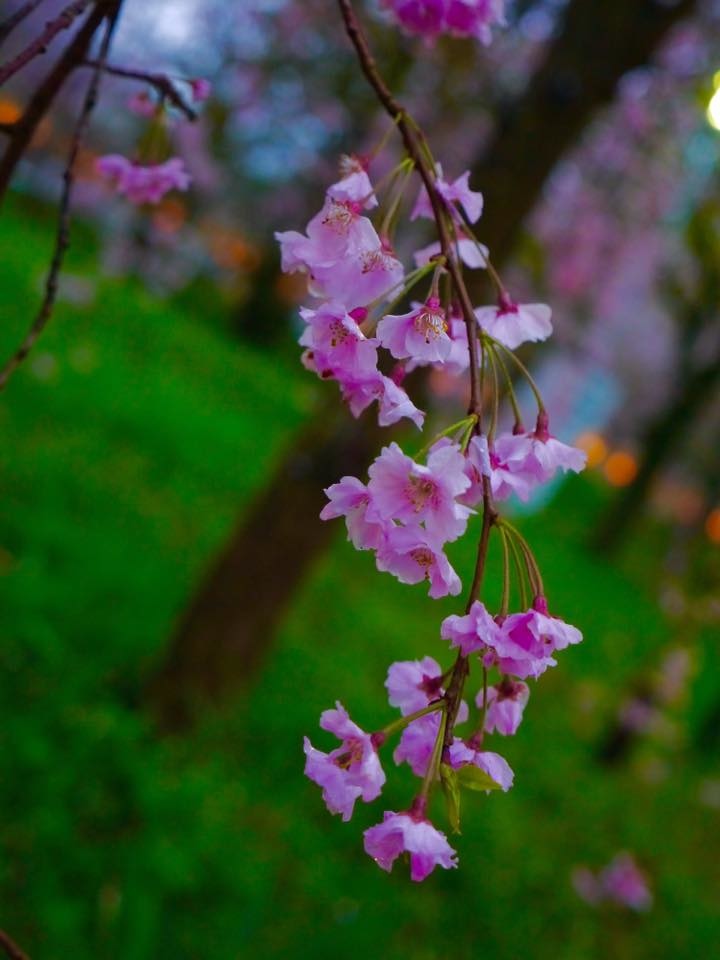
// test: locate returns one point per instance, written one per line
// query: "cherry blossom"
(350, 771)
(420, 334)
(409, 555)
(144, 184)
(410, 492)
(409, 833)
(506, 702)
(350, 498)
(472, 632)
(413, 684)
(513, 324)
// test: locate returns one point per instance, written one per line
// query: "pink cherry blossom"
(142, 104)
(406, 832)
(339, 348)
(474, 18)
(144, 184)
(420, 334)
(354, 184)
(200, 88)
(518, 649)
(413, 684)
(506, 703)
(460, 754)
(458, 192)
(407, 491)
(394, 403)
(515, 323)
(360, 276)
(350, 498)
(350, 771)
(458, 357)
(461, 18)
(409, 555)
(621, 882)
(473, 255)
(474, 631)
(624, 882)
(336, 232)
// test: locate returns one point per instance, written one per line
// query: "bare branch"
(63, 231)
(40, 44)
(15, 19)
(162, 83)
(11, 948)
(40, 102)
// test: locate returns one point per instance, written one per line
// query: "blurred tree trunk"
(230, 623)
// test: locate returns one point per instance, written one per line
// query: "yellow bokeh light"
(713, 110)
(594, 446)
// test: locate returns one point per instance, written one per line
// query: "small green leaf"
(449, 781)
(473, 778)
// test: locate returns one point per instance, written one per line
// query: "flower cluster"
(140, 183)
(411, 507)
(460, 18)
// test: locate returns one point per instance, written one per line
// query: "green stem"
(525, 372)
(400, 724)
(431, 774)
(460, 425)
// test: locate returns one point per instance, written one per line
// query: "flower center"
(353, 754)
(419, 490)
(423, 556)
(340, 216)
(430, 323)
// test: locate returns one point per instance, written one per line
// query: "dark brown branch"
(11, 948)
(62, 239)
(40, 44)
(24, 129)
(162, 83)
(15, 19)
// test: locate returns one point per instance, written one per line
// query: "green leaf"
(449, 781)
(473, 778)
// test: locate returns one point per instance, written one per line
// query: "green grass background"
(132, 440)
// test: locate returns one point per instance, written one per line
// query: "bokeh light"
(620, 468)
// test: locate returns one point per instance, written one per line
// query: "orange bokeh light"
(594, 446)
(712, 525)
(9, 110)
(620, 468)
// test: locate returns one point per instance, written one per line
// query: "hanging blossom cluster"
(155, 172)
(411, 507)
(459, 18)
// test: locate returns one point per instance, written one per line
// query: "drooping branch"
(62, 238)
(229, 624)
(160, 81)
(40, 44)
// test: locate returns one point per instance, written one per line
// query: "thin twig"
(162, 83)
(40, 44)
(15, 19)
(11, 948)
(43, 97)
(62, 239)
